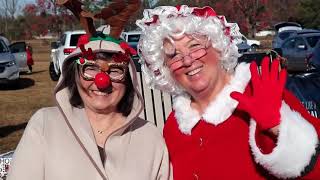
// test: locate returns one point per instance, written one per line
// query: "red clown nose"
(102, 81)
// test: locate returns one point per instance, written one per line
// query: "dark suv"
(298, 47)
(283, 31)
(313, 59)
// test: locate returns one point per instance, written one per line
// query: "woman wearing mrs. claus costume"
(229, 121)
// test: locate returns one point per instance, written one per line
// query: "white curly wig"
(168, 21)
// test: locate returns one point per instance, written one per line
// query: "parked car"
(6, 40)
(131, 37)
(283, 31)
(313, 60)
(9, 70)
(19, 50)
(297, 48)
(265, 33)
(243, 47)
(61, 49)
(255, 44)
(258, 56)
(284, 26)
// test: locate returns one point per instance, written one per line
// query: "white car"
(254, 44)
(132, 37)
(265, 33)
(19, 50)
(9, 69)
(61, 49)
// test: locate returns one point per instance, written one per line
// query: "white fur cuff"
(297, 142)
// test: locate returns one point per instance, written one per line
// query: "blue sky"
(23, 2)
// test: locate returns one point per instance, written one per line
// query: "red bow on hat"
(88, 54)
(120, 57)
(128, 49)
(203, 12)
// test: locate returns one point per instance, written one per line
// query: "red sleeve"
(313, 170)
(265, 142)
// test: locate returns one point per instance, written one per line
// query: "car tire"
(53, 75)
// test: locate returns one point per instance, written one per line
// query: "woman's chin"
(199, 87)
(101, 107)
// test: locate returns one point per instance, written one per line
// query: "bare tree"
(10, 7)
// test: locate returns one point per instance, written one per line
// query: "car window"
(74, 39)
(63, 39)
(18, 47)
(285, 35)
(312, 40)
(300, 42)
(289, 44)
(3, 47)
(124, 36)
(134, 38)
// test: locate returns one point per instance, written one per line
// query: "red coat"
(224, 151)
(29, 57)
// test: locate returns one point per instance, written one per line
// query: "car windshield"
(312, 40)
(74, 39)
(285, 35)
(3, 47)
(134, 38)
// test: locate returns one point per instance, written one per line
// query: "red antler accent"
(88, 54)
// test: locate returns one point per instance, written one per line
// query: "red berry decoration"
(82, 60)
(102, 81)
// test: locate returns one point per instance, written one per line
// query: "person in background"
(29, 58)
(229, 120)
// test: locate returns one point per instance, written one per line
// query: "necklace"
(109, 127)
(100, 131)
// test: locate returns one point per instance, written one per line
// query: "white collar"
(218, 110)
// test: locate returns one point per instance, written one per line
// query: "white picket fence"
(158, 105)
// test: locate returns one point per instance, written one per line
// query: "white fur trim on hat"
(297, 142)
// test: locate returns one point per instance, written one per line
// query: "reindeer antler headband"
(116, 14)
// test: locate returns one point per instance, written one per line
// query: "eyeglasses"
(116, 71)
(198, 49)
(194, 53)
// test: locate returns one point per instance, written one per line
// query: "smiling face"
(195, 65)
(99, 101)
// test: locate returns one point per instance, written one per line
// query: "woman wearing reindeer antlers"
(94, 132)
(229, 121)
